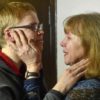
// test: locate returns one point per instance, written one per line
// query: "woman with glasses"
(21, 42)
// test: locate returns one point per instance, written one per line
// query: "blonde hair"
(11, 14)
(87, 27)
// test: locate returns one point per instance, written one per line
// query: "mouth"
(40, 40)
(36, 40)
(65, 53)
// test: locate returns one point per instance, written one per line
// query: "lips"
(65, 53)
(39, 40)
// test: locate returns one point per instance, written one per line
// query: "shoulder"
(88, 89)
(88, 84)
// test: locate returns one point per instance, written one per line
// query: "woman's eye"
(68, 37)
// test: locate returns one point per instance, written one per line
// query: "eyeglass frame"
(34, 27)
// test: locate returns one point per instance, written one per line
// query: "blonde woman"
(82, 40)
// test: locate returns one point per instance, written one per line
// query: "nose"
(40, 32)
(63, 43)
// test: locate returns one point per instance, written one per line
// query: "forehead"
(72, 35)
(30, 17)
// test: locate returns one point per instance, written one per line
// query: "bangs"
(73, 25)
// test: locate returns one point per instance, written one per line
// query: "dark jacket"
(13, 86)
(11, 82)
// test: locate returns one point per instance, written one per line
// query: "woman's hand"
(70, 76)
(27, 50)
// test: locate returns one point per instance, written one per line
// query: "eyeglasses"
(34, 27)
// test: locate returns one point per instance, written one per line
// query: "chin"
(73, 62)
(41, 48)
(69, 62)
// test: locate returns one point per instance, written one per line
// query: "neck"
(12, 55)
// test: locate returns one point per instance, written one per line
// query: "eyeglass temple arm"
(18, 27)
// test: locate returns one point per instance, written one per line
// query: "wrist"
(58, 94)
(33, 68)
(61, 88)
(30, 75)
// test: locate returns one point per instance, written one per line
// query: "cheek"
(81, 52)
(78, 52)
(71, 50)
(30, 35)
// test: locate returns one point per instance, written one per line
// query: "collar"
(10, 63)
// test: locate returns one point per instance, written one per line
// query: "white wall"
(66, 8)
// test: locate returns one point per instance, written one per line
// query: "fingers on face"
(82, 63)
(34, 45)
(12, 45)
(16, 38)
(23, 37)
(20, 38)
(79, 69)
